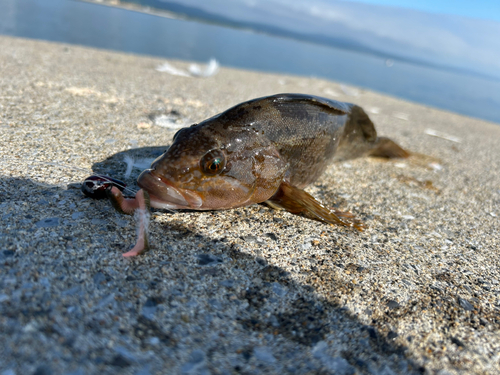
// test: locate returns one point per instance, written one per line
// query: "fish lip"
(163, 194)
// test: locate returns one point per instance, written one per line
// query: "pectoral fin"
(297, 201)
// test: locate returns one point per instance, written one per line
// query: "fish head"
(209, 168)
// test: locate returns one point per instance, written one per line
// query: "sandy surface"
(249, 290)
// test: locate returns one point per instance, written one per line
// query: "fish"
(265, 150)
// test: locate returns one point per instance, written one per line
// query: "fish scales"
(305, 133)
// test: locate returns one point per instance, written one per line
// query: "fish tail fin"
(297, 201)
(387, 148)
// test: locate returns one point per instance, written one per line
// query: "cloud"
(443, 40)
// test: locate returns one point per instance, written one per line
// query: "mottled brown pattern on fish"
(266, 149)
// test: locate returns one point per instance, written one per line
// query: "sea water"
(124, 30)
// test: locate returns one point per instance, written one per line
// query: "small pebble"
(99, 278)
(96, 221)
(264, 354)
(149, 311)
(208, 260)
(215, 303)
(274, 321)
(272, 236)
(77, 215)
(122, 223)
(48, 223)
(336, 365)
(71, 291)
(393, 304)
(44, 281)
(195, 362)
(227, 283)
(466, 305)
(106, 300)
(125, 353)
(306, 245)
(392, 335)
(153, 341)
(251, 239)
(120, 361)
(279, 290)
(43, 370)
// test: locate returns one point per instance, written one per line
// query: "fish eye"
(213, 162)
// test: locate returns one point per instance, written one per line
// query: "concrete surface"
(249, 290)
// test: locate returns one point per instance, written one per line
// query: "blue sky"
(485, 9)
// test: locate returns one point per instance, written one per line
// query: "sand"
(249, 290)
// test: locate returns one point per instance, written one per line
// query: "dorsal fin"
(334, 106)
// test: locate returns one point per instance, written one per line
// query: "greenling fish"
(263, 150)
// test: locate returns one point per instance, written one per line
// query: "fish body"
(257, 146)
(263, 150)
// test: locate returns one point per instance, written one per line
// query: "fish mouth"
(163, 194)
